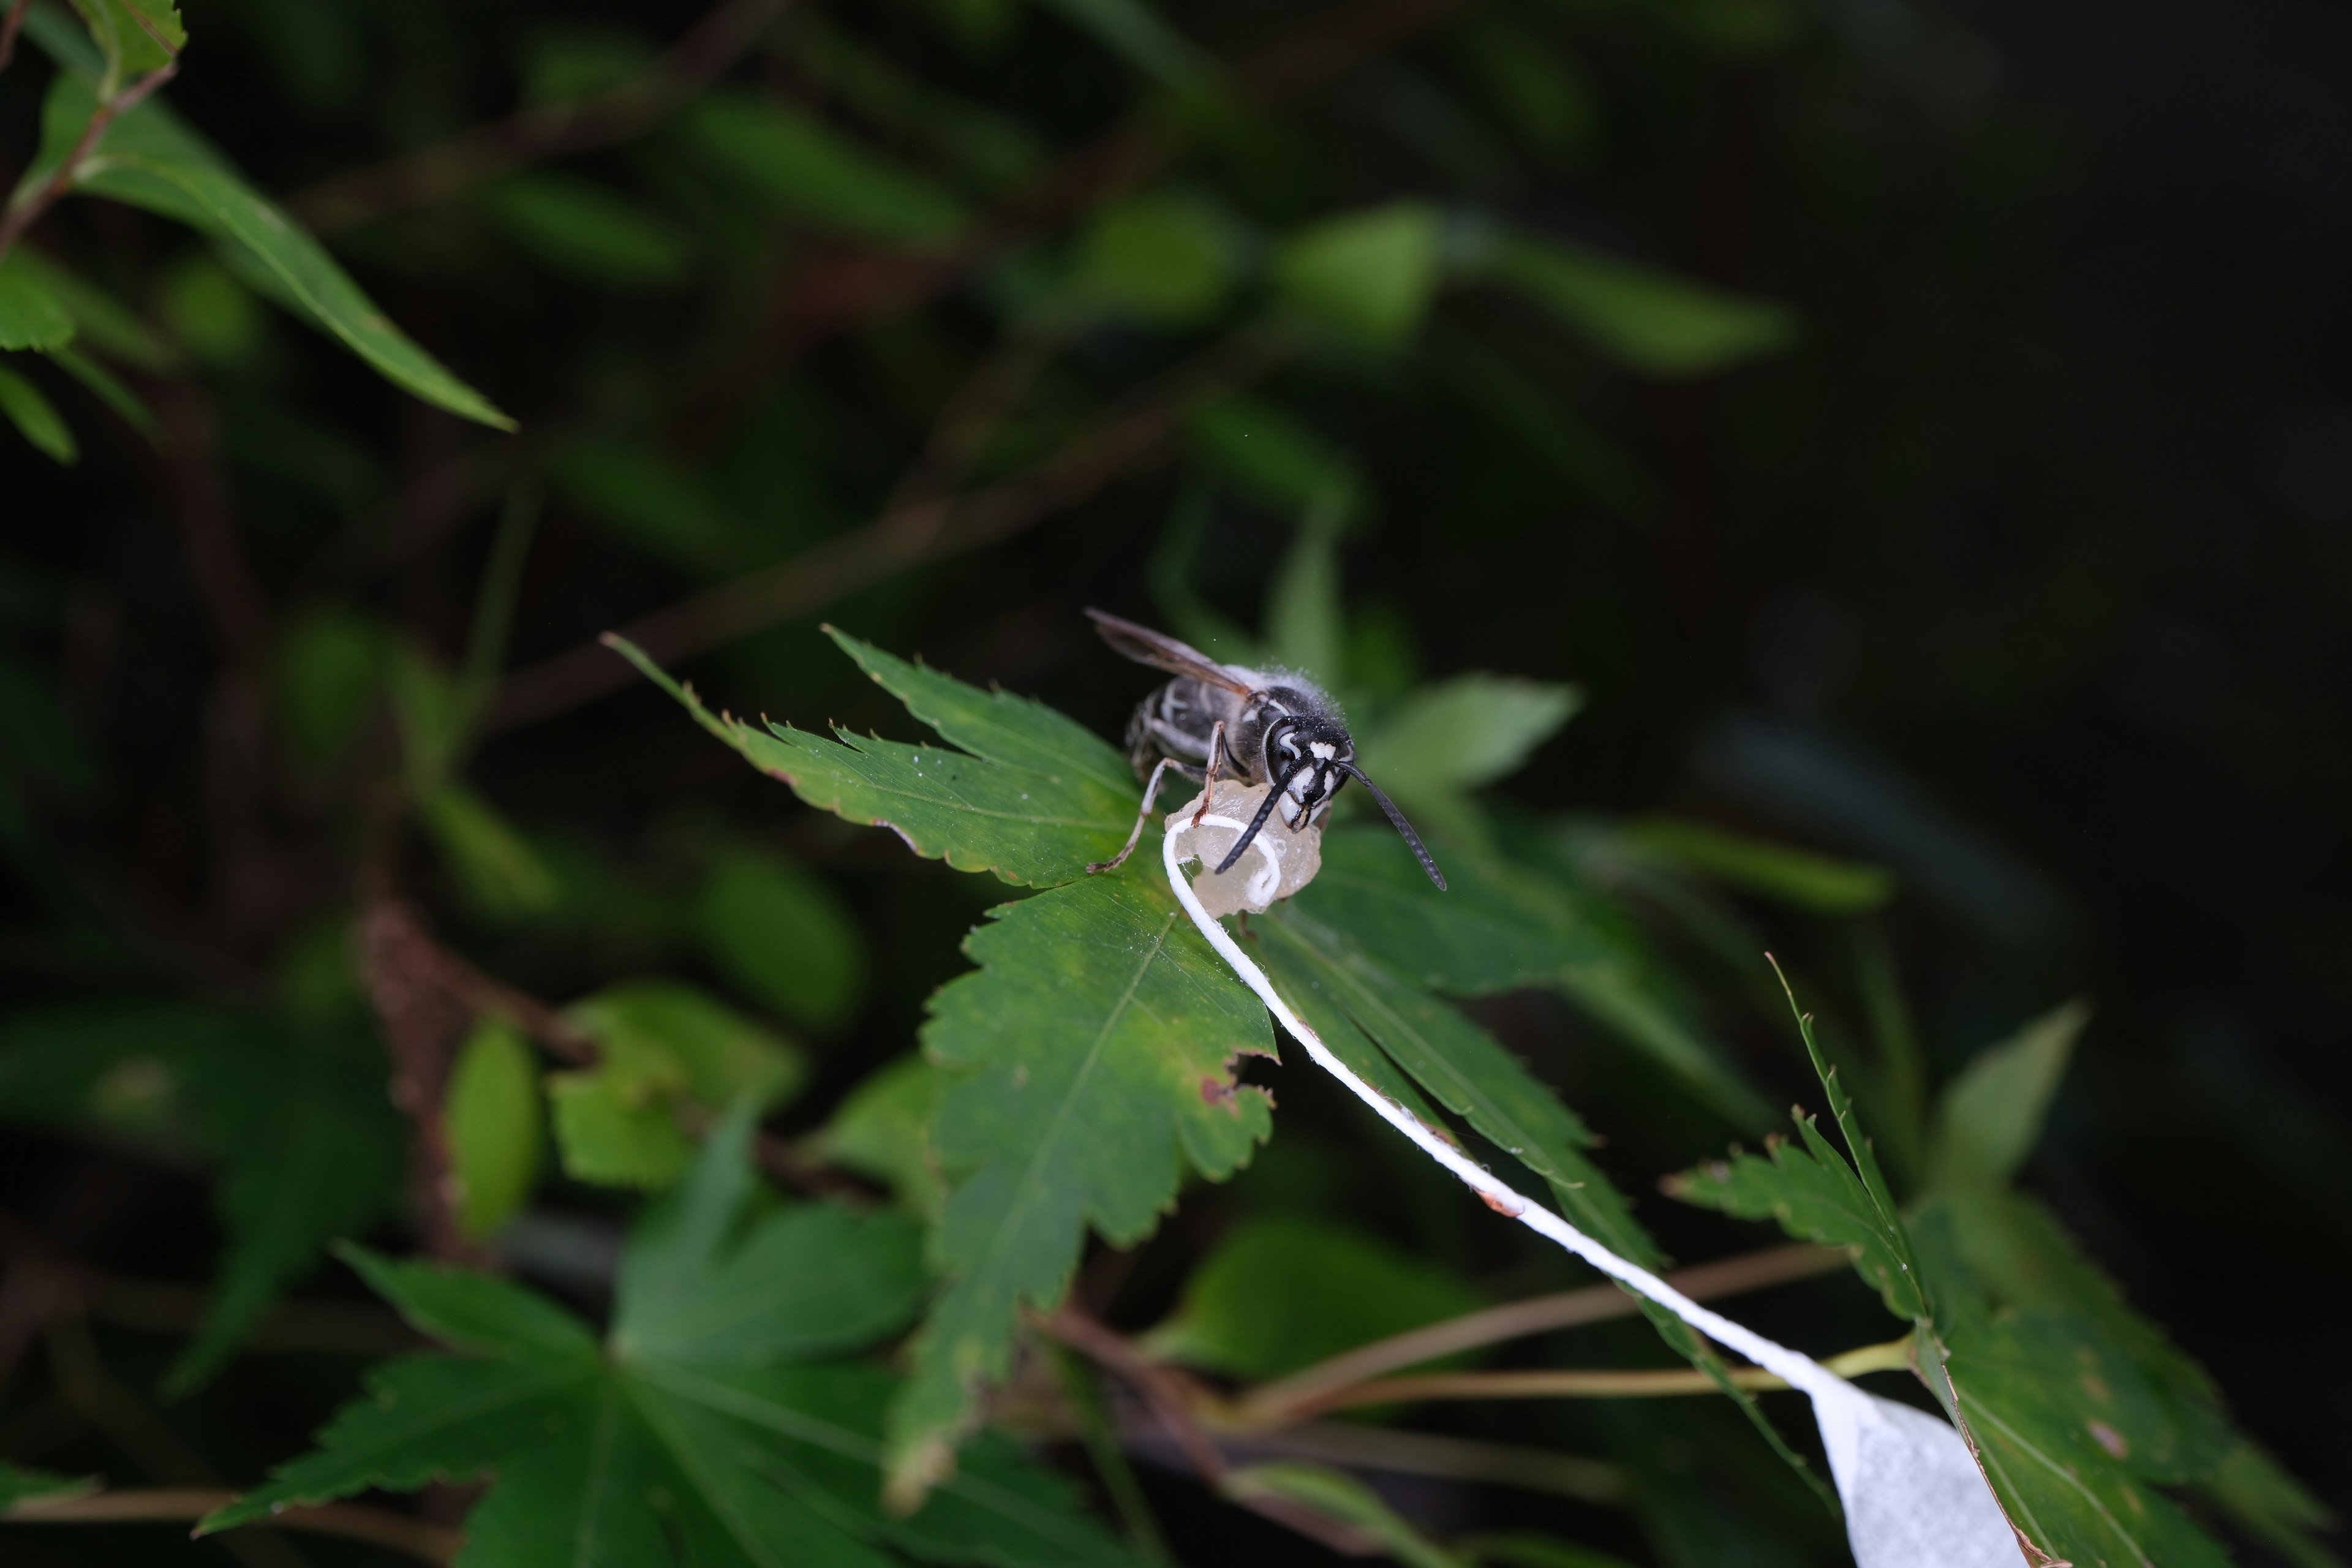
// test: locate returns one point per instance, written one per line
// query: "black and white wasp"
(1258, 726)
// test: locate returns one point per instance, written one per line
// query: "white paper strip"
(1914, 1497)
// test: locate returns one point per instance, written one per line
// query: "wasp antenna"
(1264, 810)
(1397, 821)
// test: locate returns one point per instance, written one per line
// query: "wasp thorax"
(1279, 861)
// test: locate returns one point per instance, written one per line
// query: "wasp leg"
(1150, 794)
(1217, 753)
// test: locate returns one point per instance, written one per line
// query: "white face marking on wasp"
(1323, 749)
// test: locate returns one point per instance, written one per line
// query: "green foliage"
(716, 1423)
(1645, 320)
(795, 162)
(1368, 276)
(1283, 1292)
(1821, 883)
(2078, 1409)
(1465, 733)
(782, 935)
(662, 1048)
(1335, 1494)
(495, 1127)
(1161, 258)
(294, 1121)
(30, 316)
(596, 234)
(35, 418)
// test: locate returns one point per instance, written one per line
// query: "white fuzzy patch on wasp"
(1282, 858)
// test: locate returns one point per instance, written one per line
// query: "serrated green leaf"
(422, 1418)
(473, 1311)
(1990, 1115)
(37, 419)
(631, 1458)
(1091, 1060)
(1335, 1494)
(1018, 732)
(1369, 276)
(1464, 1069)
(977, 813)
(492, 1119)
(30, 316)
(807, 168)
(1646, 320)
(780, 933)
(1465, 733)
(150, 159)
(1822, 883)
(1814, 1195)
(1283, 1292)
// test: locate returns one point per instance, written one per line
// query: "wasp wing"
(1145, 645)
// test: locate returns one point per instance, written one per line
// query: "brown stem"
(1274, 1403)
(126, 1505)
(27, 211)
(1893, 1355)
(1162, 1387)
(422, 1024)
(474, 157)
(10, 25)
(925, 532)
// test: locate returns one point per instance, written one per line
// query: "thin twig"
(381, 1527)
(1606, 1383)
(10, 25)
(400, 966)
(534, 135)
(1273, 1403)
(27, 210)
(1162, 1387)
(1129, 434)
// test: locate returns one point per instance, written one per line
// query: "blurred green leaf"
(35, 418)
(1648, 321)
(1269, 455)
(1526, 1549)
(1822, 883)
(647, 501)
(30, 316)
(2273, 1507)
(673, 1038)
(1544, 95)
(1990, 1115)
(103, 322)
(135, 35)
(1369, 276)
(491, 1118)
(103, 384)
(591, 231)
(784, 935)
(151, 160)
(882, 1129)
(617, 1130)
(1279, 1293)
(1335, 1494)
(329, 662)
(565, 61)
(212, 314)
(1305, 628)
(1088, 1060)
(1544, 424)
(709, 1424)
(1160, 256)
(1134, 29)
(806, 168)
(20, 1486)
(1465, 733)
(495, 866)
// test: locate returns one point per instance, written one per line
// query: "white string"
(1914, 1496)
